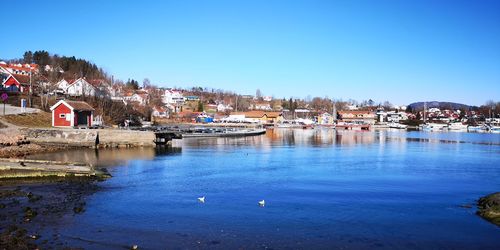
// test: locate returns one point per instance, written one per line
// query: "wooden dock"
(352, 127)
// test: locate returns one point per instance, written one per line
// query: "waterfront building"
(325, 118)
(72, 114)
(263, 117)
(358, 117)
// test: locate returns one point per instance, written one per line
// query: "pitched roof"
(78, 105)
(22, 79)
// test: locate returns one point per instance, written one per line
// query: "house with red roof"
(19, 69)
(17, 83)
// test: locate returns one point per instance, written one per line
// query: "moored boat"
(457, 126)
(397, 125)
(433, 127)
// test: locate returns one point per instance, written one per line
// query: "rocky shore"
(489, 208)
(13, 143)
(27, 207)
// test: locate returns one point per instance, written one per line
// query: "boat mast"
(425, 108)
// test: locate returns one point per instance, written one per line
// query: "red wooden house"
(72, 114)
(17, 83)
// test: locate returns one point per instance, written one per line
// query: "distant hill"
(417, 106)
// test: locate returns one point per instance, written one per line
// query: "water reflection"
(108, 157)
(275, 138)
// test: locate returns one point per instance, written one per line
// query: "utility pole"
(236, 107)
(334, 112)
(425, 108)
(29, 92)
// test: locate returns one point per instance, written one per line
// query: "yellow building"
(265, 117)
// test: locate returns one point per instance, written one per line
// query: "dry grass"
(35, 120)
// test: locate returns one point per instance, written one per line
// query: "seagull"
(262, 203)
(201, 199)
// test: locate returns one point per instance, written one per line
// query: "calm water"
(382, 189)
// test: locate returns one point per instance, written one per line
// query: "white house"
(262, 106)
(141, 97)
(221, 107)
(173, 98)
(80, 87)
(160, 112)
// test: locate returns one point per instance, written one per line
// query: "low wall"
(87, 137)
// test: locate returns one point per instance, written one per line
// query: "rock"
(489, 208)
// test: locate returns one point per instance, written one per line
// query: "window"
(62, 115)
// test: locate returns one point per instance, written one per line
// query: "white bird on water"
(262, 203)
(201, 199)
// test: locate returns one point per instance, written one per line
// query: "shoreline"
(28, 206)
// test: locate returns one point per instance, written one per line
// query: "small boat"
(495, 129)
(397, 125)
(477, 129)
(433, 127)
(457, 126)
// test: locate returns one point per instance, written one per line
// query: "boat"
(477, 129)
(494, 125)
(206, 132)
(297, 123)
(457, 126)
(397, 125)
(433, 127)
(495, 129)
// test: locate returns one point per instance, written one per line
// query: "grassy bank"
(32, 120)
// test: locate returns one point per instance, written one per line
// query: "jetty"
(179, 132)
(352, 127)
(26, 168)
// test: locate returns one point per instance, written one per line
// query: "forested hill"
(417, 106)
(62, 66)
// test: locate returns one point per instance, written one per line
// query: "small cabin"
(72, 114)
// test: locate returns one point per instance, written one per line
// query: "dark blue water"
(323, 190)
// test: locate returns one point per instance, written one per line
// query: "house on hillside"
(72, 114)
(140, 97)
(173, 99)
(17, 83)
(19, 69)
(101, 86)
(75, 87)
(261, 106)
(81, 87)
(221, 107)
(160, 112)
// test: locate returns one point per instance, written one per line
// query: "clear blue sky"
(401, 51)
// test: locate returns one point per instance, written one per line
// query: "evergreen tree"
(28, 57)
(200, 106)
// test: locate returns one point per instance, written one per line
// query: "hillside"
(417, 106)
